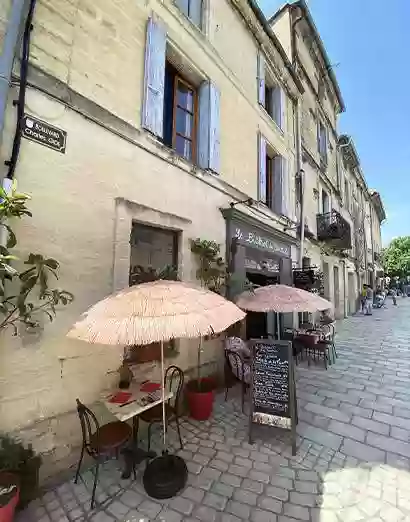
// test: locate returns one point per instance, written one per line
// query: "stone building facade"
(167, 125)
(340, 231)
(183, 119)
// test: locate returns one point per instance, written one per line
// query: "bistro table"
(138, 402)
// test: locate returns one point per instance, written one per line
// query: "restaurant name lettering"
(259, 241)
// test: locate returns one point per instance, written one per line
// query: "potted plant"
(211, 273)
(21, 462)
(9, 495)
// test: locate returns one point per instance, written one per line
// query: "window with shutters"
(180, 107)
(192, 9)
(347, 194)
(180, 114)
(270, 94)
(273, 179)
(322, 142)
(268, 199)
(274, 100)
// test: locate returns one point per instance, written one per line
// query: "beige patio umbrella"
(281, 299)
(156, 312)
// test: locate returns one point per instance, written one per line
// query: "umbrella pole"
(164, 420)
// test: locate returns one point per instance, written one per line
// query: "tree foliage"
(25, 294)
(396, 257)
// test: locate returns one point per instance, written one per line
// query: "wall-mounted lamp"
(247, 201)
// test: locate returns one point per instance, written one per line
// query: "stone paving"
(353, 453)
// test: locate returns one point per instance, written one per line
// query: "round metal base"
(165, 476)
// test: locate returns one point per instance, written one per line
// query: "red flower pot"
(9, 501)
(201, 398)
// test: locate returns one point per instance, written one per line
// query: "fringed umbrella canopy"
(281, 299)
(156, 311)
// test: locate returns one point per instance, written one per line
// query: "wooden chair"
(174, 380)
(100, 442)
(236, 369)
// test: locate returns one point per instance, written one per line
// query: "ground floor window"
(154, 255)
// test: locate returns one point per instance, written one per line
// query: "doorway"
(326, 282)
(352, 294)
(336, 288)
(262, 325)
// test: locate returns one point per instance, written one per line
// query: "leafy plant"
(140, 274)
(14, 456)
(33, 297)
(211, 270)
(21, 461)
(396, 257)
(213, 274)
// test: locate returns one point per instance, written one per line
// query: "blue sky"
(370, 40)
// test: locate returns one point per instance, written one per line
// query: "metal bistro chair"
(291, 334)
(328, 338)
(236, 369)
(174, 378)
(100, 442)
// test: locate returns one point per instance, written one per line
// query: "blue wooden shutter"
(261, 168)
(278, 185)
(183, 6)
(195, 12)
(279, 106)
(153, 108)
(287, 209)
(209, 127)
(261, 78)
(214, 129)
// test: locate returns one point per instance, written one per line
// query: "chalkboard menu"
(273, 392)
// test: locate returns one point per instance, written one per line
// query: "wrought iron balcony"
(377, 257)
(333, 229)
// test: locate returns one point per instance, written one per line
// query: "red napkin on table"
(120, 397)
(150, 387)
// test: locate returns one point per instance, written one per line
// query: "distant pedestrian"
(394, 296)
(369, 300)
(363, 296)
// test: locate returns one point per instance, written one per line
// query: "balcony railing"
(334, 230)
(377, 257)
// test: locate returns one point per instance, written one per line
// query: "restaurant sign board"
(273, 390)
(250, 236)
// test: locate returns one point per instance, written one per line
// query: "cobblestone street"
(353, 453)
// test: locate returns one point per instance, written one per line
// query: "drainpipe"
(301, 175)
(338, 163)
(17, 12)
(10, 45)
(299, 161)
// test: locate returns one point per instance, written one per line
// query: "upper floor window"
(322, 141)
(180, 114)
(183, 113)
(273, 181)
(325, 202)
(191, 9)
(347, 194)
(271, 95)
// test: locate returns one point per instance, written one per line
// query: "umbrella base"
(165, 476)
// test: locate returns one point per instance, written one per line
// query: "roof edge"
(305, 9)
(268, 30)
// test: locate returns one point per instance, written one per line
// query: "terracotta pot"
(201, 398)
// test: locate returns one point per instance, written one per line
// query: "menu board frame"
(259, 415)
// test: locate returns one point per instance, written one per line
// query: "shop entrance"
(262, 325)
